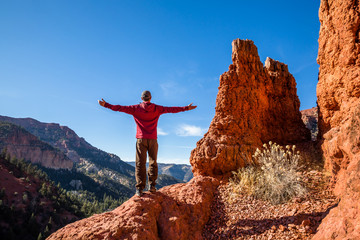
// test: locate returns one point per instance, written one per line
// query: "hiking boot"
(152, 189)
(138, 192)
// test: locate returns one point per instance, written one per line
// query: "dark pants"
(144, 146)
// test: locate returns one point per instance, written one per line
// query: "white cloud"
(174, 160)
(186, 130)
(161, 132)
(172, 88)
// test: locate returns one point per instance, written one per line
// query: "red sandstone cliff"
(255, 104)
(21, 144)
(338, 94)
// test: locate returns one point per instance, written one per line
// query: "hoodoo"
(254, 105)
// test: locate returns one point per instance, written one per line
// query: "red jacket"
(146, 116)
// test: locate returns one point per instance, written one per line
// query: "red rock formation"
(338, 89)
(343, 221)
(338, 94)
(255, 104)
(179, 211)
(21, 144)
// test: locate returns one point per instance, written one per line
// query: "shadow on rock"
(249, 227)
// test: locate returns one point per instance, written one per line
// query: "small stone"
(293, 212)
(306, 222)
(310, 231)
(302, 230)
(291, 225)
(282, 228)
(173, 219)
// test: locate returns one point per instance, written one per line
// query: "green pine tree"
(40, 237)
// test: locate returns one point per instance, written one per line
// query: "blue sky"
(57, 58)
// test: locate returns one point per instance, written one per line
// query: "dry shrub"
(275, 178)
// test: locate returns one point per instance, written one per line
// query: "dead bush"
(274, 178)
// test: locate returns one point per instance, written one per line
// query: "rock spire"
(255, 104)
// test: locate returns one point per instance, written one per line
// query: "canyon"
(250, 99)
(246, 116)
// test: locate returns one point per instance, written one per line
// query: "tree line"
(49, 208)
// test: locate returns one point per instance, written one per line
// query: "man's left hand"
(102, 102)
(191, 107)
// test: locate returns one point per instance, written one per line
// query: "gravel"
(249, 218)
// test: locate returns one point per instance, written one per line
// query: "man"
(146, 116)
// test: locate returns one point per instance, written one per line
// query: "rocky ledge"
(179, 211)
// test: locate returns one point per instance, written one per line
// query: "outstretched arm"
(119, 108)
(163, 109)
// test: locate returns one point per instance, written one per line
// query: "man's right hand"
(191, 107)
(102, 102)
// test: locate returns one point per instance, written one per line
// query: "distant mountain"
(182, 172)
(67, 141)
(93, 169)
(310, 119)
(22, 144)
(104, 168)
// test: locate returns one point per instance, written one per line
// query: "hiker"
(146, 116)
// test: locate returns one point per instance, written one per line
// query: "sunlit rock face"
(255, 104)
(179, 211)
(338, 89)
(338, 93)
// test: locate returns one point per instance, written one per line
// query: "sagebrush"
(274, 178)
